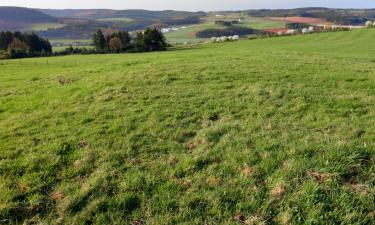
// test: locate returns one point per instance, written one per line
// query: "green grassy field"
(46, 26)
(67, 42)
(261, 23)
(62, 48)
(268, 131)
(189, 34)
(248, 21)
(71, 41)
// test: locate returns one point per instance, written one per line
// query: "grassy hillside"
(271, 131)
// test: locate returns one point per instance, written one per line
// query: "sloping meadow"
(271, 131)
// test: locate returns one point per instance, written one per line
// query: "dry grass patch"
(320, 177)
(278, 190)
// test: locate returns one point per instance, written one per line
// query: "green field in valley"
(71, 41)
(189, 34)
(267, 131)
(248, 21)
(45, 26)
(62, 48)
(262, 23)
(86, 43)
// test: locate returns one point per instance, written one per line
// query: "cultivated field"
(297, 19)
(268, 131)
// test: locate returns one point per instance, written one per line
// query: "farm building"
(278, 31)
(333, 26)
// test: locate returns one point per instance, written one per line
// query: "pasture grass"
(269, 131)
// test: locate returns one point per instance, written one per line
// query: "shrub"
(17, 53)
(4, 55)
(223, 23)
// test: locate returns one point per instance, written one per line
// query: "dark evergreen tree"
(19, 45)
(124, 36)
(5, 39)
(99, 41)
(154, 40)
(139, 41)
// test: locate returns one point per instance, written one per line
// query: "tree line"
(149, 40)
(226, 23)
(297, 26)
(21, 45)
(229, 31)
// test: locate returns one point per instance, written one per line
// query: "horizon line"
(226, 10)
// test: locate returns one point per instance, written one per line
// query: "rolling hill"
(268, 131)
(339, 16)
(81, 23)
(108, 13)
(15, 18)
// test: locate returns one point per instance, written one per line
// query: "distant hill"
(13, 18)
(81, 23)
(109, 13)
(338, 16)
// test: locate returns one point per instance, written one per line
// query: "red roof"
(276, 30)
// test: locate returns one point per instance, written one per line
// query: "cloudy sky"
(193, 5)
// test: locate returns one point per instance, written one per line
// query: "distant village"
(170, 29)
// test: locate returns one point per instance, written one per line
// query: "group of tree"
(181, 21)
(226, 23)
(297, 26)
(122, 41)
(223, 23)
(20, 45)
(230, 31)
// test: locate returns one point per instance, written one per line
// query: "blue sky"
(194, 5)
